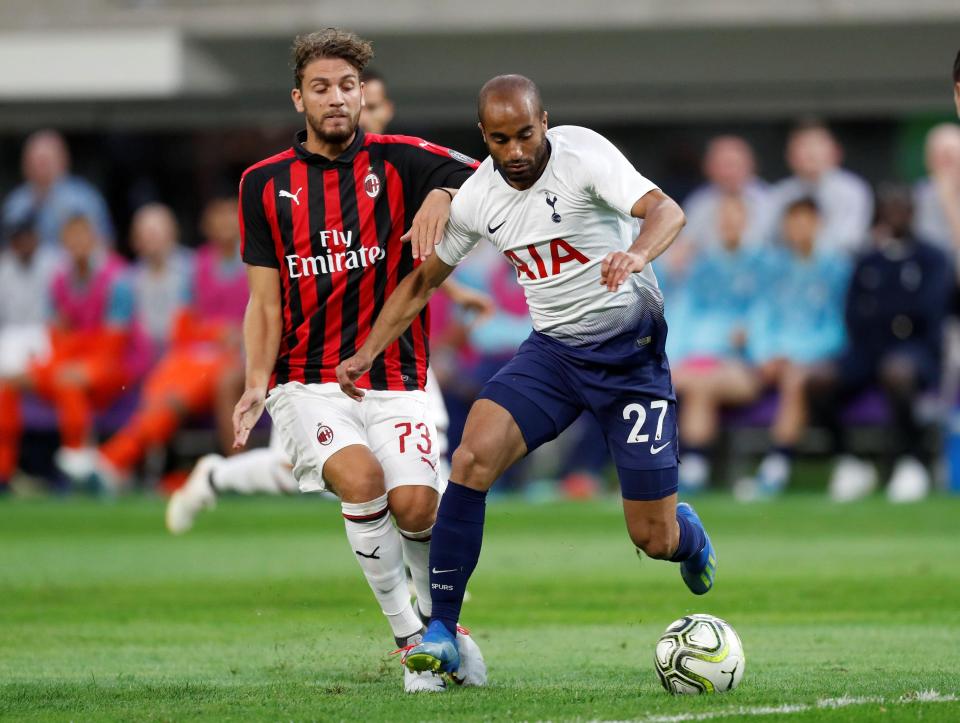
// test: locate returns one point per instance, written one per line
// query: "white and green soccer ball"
(699, 654)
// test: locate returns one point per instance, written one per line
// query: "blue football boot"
(437, 652)
(700, 570)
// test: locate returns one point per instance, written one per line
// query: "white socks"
(378, 547)
(416, 553)
(259, 471)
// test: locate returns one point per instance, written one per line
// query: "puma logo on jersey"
(293, 196)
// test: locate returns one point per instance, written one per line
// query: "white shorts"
(315, 421)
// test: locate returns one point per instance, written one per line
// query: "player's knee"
(365, 486)
(414, 507)
(473, 466)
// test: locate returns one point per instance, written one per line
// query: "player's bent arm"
(262, 328)
(400, 309)
(662, 221)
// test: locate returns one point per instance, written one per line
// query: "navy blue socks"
(454, 550)
(692, 539)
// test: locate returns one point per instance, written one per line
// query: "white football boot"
(910, 481)
(195, 495)
(425, 681)
(473, 668)
(852, 479)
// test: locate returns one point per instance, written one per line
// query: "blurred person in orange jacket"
(97, 348)
(194, 312)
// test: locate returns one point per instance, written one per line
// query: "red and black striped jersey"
(332, 229)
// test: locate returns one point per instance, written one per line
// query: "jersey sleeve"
(612, 177)
(431, 166)
(256, 241)
(459, 239)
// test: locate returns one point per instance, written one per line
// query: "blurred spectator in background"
(711, 312)
(797, 324)
(730, 170)
(937, 197)
(52, 193)
(844, 199)
(26, 269)
(956, 83)
(97, 347)
(895, 308)
(378, 109)
(194, 313)
(161, 276)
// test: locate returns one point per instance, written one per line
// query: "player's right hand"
(348, 371)
(246, 413)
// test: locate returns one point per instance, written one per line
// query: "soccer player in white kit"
(562, 205)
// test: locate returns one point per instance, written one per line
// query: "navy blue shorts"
(623, 382)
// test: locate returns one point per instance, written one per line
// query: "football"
(699, 654)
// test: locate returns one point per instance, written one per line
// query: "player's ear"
(363, 97)
(297, 97)
(482, 134)
(543, 120)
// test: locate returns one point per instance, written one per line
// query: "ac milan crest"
(324, 434)
(371, 184)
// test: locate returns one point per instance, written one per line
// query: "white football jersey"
(557, 233)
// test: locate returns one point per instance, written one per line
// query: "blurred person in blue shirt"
(52, 193)
(844, 198)
(897, 302)
(730, 170)
(797, 325)
(708, 357)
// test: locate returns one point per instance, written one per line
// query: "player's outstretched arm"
(262, 327)
(662, 220)
(398, 312)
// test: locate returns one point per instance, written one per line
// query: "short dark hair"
(329, 43)
(804, 203)
(503, 84)
(956, 68)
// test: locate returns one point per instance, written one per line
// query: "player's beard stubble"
(333, 137)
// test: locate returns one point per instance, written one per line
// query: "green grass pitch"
(846, 613)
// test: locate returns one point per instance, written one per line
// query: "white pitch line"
(920, 696)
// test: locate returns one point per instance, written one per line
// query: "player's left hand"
(427, 228)
(617, 267)
(348, 371)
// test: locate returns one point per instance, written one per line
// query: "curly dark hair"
(329, 43)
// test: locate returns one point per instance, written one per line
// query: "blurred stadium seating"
(168, 100)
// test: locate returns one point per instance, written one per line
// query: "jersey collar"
(345, 158)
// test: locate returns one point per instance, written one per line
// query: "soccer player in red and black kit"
(322, 232)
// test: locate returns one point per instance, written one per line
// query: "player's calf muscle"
(652, 527)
